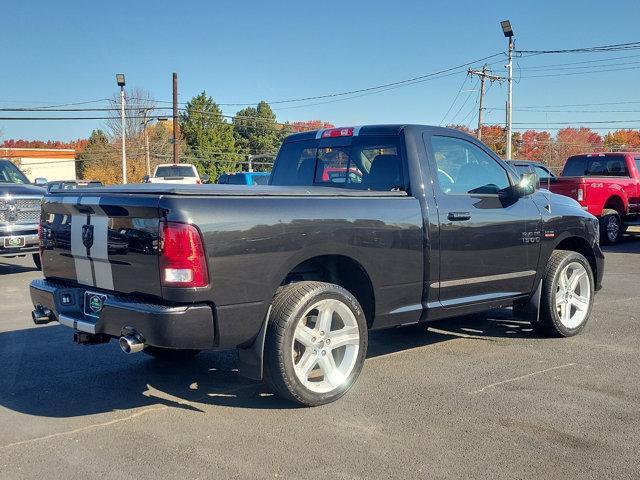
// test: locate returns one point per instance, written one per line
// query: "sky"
(56, 52)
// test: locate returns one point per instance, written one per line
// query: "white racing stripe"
(84, 274)
(100, 274)
(100, 251)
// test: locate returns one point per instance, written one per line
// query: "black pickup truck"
(360, 228)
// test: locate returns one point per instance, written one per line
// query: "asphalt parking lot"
(479, 396)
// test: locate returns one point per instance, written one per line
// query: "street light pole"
(121, 84)
(508, 32)
(510, 98)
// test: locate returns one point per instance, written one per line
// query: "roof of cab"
(385, 129)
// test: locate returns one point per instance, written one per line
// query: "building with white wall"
(49, 163)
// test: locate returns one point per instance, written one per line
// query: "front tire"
(316, 343)
(567, 295)
(611, 227)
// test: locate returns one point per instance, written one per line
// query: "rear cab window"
(366, 162)
(596, 166)
(175, 171)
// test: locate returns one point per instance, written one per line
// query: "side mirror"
(145, 179)
(529, 183)
(205, 178)
(40, 181)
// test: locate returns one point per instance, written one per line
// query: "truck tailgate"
(567, 186)
(107, 242)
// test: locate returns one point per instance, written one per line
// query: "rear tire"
(170, 354)
(316, 342)
(611, 228)
(37, 261)
(567, 295)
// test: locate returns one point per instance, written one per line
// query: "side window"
(637, 165)
(464, 168)
(542, 173)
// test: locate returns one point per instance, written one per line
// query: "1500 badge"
(531, 237)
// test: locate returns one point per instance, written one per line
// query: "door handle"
(459, 216)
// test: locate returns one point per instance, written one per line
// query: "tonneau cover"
(228, 190)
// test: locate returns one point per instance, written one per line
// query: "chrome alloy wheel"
(573, 295)
(613, 228)
(325, 346)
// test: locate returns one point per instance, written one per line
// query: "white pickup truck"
(176, 173)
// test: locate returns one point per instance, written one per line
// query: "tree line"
(215, 143)
(552, 150)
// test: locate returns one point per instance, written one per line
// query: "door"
(489, 238)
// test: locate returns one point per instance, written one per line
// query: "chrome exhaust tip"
(131, 343)
(41, 316)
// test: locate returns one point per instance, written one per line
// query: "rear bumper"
(176, 326)
(30, 244)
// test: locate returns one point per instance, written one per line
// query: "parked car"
(19, 213)
(544, 173)
(244, 178)
(71, 184)
(295, 274)
(607, 185)
(184, 173)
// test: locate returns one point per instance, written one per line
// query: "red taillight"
(338, 132)
(182, 259)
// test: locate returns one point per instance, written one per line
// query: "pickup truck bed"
(316, 260)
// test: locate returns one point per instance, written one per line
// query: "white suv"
(176, 173)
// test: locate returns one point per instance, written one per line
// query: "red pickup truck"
(607, 185)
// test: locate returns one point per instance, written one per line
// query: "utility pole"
(176, 133)
(508, 32)
(483, 75)
(146, 139)
(121, 84)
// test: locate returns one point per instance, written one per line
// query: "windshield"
(368, 163)
(597, 166)
(9, 173)
(175, 171)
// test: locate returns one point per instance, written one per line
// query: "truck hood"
(543, 197)
(231, 190)
(12, 189)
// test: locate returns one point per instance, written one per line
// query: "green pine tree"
(209, 138)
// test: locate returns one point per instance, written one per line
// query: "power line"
(608, 59)
(600, 48)
(581, 73)
(455, 99)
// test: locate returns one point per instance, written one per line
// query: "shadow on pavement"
(630, 243)
(43, 373)
(7, 268)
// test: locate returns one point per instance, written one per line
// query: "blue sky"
(245, 51)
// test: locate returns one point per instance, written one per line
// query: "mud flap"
(250, 359)
(530, 311)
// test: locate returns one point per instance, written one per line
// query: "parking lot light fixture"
(506, 28)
